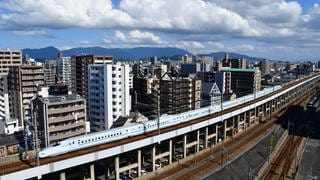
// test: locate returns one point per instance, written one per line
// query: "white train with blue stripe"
(93, 139)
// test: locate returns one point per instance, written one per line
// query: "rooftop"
(237, 70)
(52, 99)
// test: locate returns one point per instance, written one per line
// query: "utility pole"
(158, 114)
(36, 136)
(222, 144)
(25, 155)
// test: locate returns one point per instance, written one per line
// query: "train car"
(93, 139)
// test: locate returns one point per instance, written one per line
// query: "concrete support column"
(205, 137)
(198, 140)
(170, 151)
(216, 134)
(153, 157)
(107, 172)
(116, 167)
(234, 124)
(245, 118)
(238, 122)
(92, 176)
(139, 162)
(184, 146)
(225, 129)
(62, 175)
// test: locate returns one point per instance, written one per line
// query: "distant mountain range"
(118, 53)
(126, 53)
(220, 55)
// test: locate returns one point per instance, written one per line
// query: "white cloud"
(217, 44)
(84, 42)
(191, 16)
(242, 48)
(32, 33)
(106, 41)
(312, 20)
(62, 13)
(138, 37)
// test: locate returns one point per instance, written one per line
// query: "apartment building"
(244, 81)
(9, 58)
(108, 94)
(64, 70)
(179, 94)
(147, 92)
(59, 117)
(23, 84)
(50, 71)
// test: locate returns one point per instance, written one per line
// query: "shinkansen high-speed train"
(93, 139)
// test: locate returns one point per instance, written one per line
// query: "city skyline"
(275, 29)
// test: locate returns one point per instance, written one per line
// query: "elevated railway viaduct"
(152, 150)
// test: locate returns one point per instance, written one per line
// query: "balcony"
(65, 109)
(66, 135)
(67, 127)
(31, 71)
(65, 118)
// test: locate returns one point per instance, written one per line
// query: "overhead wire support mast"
(158, 115)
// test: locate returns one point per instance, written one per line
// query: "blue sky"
(274, 29)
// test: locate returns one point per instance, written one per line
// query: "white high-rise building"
(64, 70)
(4, 97)
(108, 90)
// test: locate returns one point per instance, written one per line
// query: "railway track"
(20, 165)
(233, 148)
(284, 164)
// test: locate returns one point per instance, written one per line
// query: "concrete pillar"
(184, 146)
(216, 134)
(249, 118)
(170, 151)
(205, 137)
(225, 129)
(62, 175)
(198, 140)
(153, 157)
(92, 176)
(107, 172)
(139, 162)
(116, 167)
(238, 122)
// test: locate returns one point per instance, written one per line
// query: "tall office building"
(109, 96)
(23, 84)
(179, 94)
(9, 58)
(265, 66)
(64, 70)
(59, 117)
